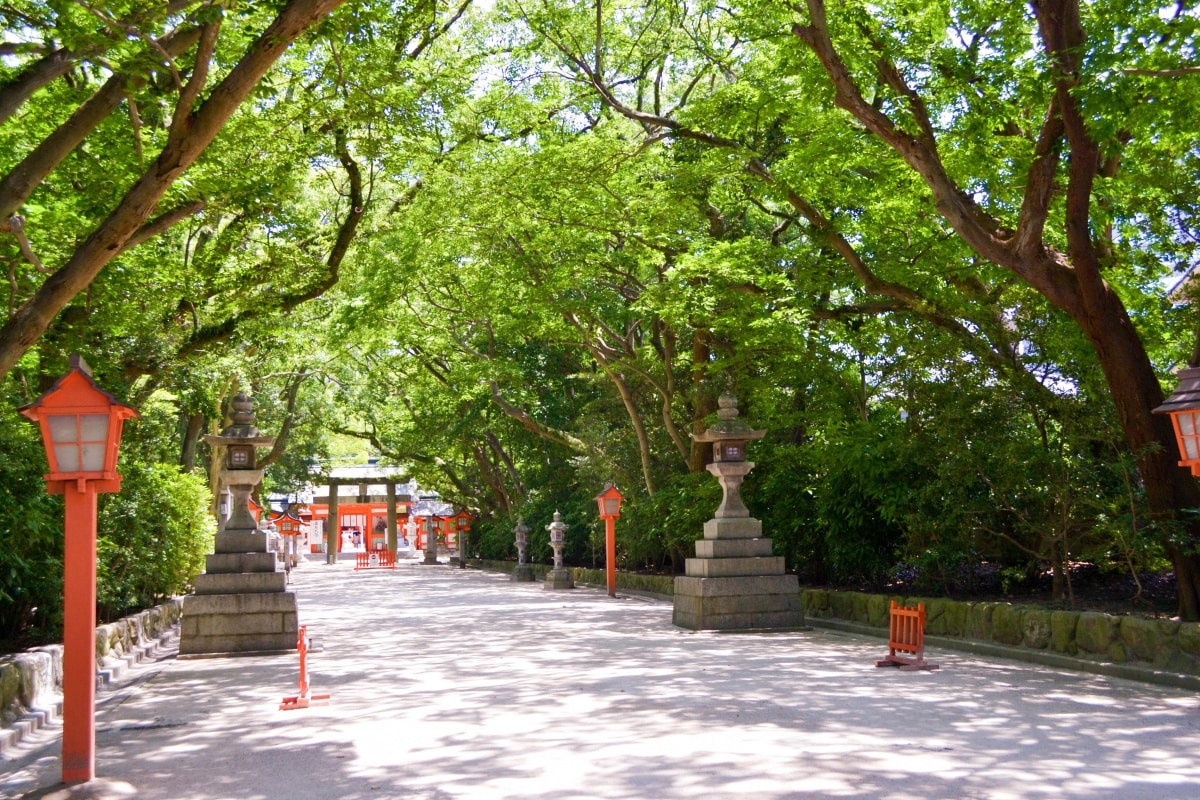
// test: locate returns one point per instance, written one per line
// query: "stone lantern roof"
(241, 428)
(728, 426)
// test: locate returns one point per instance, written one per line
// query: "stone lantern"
(239, 470)
(559, 577)
(523, 571)
(734, 582)
(241, 604)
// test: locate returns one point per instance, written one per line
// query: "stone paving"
(451, 683)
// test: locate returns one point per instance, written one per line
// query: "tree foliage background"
(522, 247)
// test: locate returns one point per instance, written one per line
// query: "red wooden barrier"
(303, 699)
(906, 634)
(375, 559)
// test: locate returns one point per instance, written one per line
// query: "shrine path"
(451, 683)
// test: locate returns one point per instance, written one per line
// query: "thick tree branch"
(163, 222)
(21, 87)
(34, 316)
(199, 77)
(22, 179)
(533, 426)
(291, 394)
(964, 215)
(1039, 185)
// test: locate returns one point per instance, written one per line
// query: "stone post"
(410, 533)
(559, 577)
(391, 518)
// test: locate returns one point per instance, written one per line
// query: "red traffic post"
(609, 502)
(81, 431)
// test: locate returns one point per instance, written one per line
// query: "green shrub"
(31, 537)
(153, 537)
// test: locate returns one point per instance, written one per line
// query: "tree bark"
(703, 402)
(185, 144)
(193, 428)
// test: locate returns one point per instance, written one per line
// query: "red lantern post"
(1184, 407)
(609, 502)
(81, 431)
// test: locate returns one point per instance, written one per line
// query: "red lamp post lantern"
(81, 430)
(609, 502)
(1184, 407)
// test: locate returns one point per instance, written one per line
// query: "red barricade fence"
(906, 634)
(375, 559)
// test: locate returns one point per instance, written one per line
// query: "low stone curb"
(28, 723)
(31, 682)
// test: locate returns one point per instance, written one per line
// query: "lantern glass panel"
(64, 428)
(93, 428)
(611, 506)
(80, 442)
(1189, 434)
(92, 457)
(67, 456)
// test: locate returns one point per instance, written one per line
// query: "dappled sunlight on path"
(460, 684)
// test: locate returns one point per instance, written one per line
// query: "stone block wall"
(31, 682)
(1163, 644)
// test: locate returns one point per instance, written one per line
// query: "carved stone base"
(522, 574)
(735, 583)
(241, 605)
(559, 579)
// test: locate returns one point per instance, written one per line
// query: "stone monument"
(523, 572)
(560, 576)
(241, 604)
(734, 582)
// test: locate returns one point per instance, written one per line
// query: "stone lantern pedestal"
(735, 582)
(241, 604)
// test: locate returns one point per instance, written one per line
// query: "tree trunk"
(703, 402)
(1071, 280)
(194, 427)
(1151, 437)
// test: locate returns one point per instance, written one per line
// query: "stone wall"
(1163, 644)
(31, 682)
